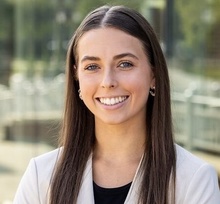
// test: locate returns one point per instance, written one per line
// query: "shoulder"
(45, 165)
(48, 159)
(35, 183)
(196, 180)
(188, 165)
(185, 158)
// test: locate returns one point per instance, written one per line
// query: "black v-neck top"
(110, 195)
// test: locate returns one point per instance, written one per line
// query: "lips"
(113, 100)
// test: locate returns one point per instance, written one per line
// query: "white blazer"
(196, 181)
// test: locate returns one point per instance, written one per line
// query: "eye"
(125, 64)
(91, 67)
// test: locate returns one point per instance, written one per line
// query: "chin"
(115, 121)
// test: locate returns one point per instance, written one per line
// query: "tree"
(197, 21)
(6, 40)
(85, 6)
(40, 31)
(200, 28)
(193, 24)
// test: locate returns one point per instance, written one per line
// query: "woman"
(117, 140)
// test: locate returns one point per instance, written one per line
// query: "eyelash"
(91, 67)
(128, 64)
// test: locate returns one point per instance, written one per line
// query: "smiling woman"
(108, 73)
(117, 142)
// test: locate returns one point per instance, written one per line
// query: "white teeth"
(112, 101)
(108, 101)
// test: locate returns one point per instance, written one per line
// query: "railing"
(29, 105)
(196, 118)
(197, 121)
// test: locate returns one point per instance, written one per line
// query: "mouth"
(112, 101)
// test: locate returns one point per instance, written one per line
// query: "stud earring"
(152, 91)
(80, 94)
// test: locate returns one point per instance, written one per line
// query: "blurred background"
(34, 36)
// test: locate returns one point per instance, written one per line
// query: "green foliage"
(42, 24)
(6, 39)
(6, 19)
(215, 6)
(192, 20)
(85, 6)
(197, 21)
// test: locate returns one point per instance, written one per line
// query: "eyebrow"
(93, 58)
(90, 58)
(127, 54)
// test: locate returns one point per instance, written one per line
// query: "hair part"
(78, 137)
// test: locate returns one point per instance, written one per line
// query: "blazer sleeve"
(203, 188)
(27, 192)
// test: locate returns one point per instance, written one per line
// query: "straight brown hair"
(78, 138)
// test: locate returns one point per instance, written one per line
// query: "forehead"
(106, 40)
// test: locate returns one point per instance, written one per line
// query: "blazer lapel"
(133, 194)
(86, 191)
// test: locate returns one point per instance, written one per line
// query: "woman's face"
(114, 75)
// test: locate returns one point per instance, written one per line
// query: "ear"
(153, 82)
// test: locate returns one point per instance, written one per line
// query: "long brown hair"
(159, 163)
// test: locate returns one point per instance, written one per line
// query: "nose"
(109, 79)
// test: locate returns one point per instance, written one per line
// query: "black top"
(110, 195)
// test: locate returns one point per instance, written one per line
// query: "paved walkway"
(14, 158)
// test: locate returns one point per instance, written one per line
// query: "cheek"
(140, 81)
(87, 86)
(84, 85)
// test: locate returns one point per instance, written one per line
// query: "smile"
(112, 101)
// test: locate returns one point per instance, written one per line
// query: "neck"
(120, 143)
